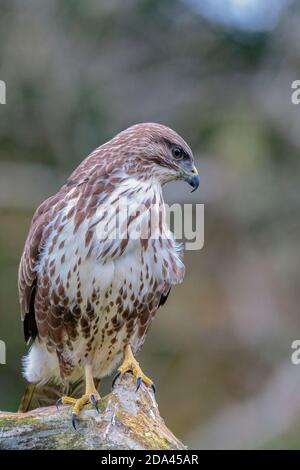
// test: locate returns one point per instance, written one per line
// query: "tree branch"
(127, 420)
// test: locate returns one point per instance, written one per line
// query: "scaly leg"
(130, 364)
(91, 396)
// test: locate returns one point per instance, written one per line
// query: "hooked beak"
(192, 177)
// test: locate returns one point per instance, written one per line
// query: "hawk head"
(154, 150)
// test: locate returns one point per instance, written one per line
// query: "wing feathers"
(28, 263)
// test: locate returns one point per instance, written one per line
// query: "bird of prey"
(88, 292)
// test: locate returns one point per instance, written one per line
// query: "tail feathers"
(37, 396)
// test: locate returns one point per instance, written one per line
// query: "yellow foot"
(130, 364)
(91, 396)
(79, 404)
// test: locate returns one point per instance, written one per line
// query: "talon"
(94, 403)
(58, 403)
(153, 386)
(115, 378)
(130, 364)
(138, 382)
(74, 421)
(91, 395)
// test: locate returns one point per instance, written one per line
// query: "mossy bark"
(127, 420)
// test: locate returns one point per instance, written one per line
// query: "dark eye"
(177, 152)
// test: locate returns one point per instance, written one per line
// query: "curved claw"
(153, 386)
(58, 403)
(138, 382)
(94, 403)
(115, 378)
(74, 421)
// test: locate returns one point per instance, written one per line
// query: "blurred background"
(220, 73)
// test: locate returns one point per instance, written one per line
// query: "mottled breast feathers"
(85, 292)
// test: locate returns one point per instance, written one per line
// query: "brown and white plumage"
(84, 295)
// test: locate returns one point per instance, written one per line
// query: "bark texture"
(127, 420)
